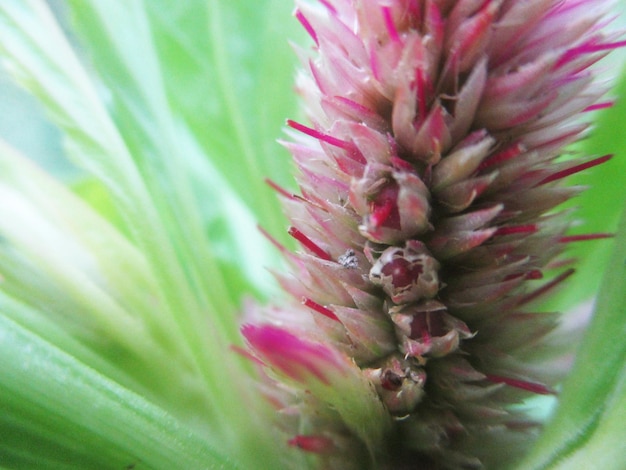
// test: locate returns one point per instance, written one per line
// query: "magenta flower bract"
(429, 180)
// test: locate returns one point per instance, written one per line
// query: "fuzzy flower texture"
(430, 177)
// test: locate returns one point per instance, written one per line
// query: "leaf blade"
(34, 393)
(595, 380)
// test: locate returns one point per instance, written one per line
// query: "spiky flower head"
(429, 179)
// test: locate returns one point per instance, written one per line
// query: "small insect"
(349, 260)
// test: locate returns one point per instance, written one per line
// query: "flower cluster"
(429, 179)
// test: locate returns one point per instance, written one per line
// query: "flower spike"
(429, 177)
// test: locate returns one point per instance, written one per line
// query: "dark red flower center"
(403, 272)
(384, 208)
(391, 381)
(427, 325)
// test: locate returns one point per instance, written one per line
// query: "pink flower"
(297, 359)
(429, 180)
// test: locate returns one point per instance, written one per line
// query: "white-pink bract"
(429, 178)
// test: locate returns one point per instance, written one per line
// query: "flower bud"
(406, 274)
(426, 329)
(393, 203)
(399, 382)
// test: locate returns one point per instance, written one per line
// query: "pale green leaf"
(76, 270)
(229, 72)
(605, 447)
(222, 70)
(589, 403)
(84, 287)
(193, 307)
(598, 208)
(40, 57)
(57, 413)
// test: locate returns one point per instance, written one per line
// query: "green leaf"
(605, 447)
(41, 58)
(220, 73)
(55, 412)
(591, 407)
(72, 268)
(228, 71)
(598, 209)
(79, 284)
(189, 295)
(94, 193)
(27, 129)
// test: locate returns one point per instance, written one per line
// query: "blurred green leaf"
(55, 413)
(599, 207)
(94, 193)
(591, 405)
(25, 127)
(222, 71)
(126, 135)
(181, 88)
(71, 268)
(229, 72)
(605, 446)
